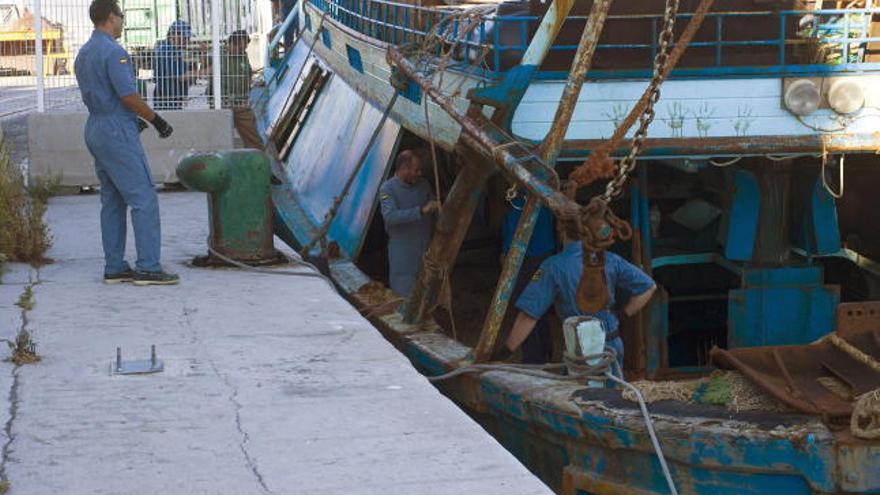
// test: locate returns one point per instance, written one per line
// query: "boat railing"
(790, 42)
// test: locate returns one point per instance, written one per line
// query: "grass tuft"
(24, 349)
(24, 236)
(26, 299)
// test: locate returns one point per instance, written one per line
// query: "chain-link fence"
(179, 50)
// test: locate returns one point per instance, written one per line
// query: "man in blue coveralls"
(408, 206)
(169, 68)
(538, 346)
(107, 83)
(556, 283)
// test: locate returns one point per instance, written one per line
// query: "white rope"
(783, 158)
(649, 423)
(725, 164)
(315, 274)
(838, 194)
(606, 367)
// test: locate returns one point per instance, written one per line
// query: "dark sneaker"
(155, 278)
(117, 278)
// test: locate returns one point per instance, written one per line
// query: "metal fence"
(40, 39)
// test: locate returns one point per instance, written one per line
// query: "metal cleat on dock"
(137, 367)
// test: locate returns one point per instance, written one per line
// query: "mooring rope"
(865, 420)
(293, 261)
(854, 351)
(596, 367)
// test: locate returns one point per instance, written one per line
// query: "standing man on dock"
(407, 208)
(236, 75)
(107, 83)
(556, 281)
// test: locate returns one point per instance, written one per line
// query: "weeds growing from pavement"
(26, 299)
(24, 349)
(23, 234)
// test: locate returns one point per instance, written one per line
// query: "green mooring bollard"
(239, 205)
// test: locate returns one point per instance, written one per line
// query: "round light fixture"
(802, 97)
(846, 96)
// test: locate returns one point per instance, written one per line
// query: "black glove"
(163, 128)
(142, 124)
(502, 353)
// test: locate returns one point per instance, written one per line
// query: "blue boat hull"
(578, 440)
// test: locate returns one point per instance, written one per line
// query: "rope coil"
(865, 420)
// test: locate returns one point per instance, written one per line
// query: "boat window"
(301, 100)
(354, 58)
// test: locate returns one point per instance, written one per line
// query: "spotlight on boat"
(802, 97)
(846, 96)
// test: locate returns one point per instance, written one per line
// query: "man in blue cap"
(169, 69)
(107, 83)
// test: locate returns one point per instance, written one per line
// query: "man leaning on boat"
(556, 283)
(408, 208)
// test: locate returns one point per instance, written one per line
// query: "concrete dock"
(272, 384)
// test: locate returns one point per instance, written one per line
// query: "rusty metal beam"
(479, 139)
(742, 145)
(581, 64)
(509, 271)
(601, 153)
(549, 151)
(514, 158)
(546, 33)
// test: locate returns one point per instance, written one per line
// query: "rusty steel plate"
(855, 318)
(792, 373)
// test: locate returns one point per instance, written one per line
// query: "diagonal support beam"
(549, 151)
(455, 216)
(512, 157)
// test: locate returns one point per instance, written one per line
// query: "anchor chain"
(597, 225)
(626, 166)
(595, 238)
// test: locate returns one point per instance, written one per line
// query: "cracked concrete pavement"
(272, 385)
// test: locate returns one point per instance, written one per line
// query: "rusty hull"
(553, 425)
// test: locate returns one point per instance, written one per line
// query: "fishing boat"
(738, 139)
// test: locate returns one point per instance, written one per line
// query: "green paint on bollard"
(239, 207)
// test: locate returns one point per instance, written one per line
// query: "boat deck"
(272, 384)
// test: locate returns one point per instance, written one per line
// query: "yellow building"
(18, 48)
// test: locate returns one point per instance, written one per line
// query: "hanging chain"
(665, 41)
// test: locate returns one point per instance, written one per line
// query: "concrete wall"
(57, 146)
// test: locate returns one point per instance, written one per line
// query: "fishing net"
(729, 389)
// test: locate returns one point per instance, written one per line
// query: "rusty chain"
(599, 228)
(626, 166)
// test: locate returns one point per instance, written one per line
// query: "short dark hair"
(569, 228)
(240, 35)
(406, 158)
(100, 10)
